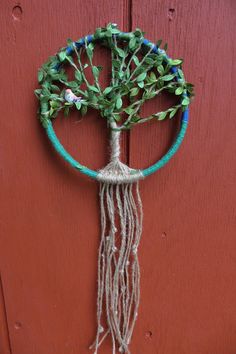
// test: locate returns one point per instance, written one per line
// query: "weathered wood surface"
(50, 215)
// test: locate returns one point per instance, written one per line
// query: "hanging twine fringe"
(118, 266)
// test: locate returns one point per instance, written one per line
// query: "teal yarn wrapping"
(65, 155)
(145, 172)
(170, 153)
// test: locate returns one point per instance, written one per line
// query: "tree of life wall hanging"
(139, 71)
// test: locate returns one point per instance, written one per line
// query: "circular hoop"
(135, 173)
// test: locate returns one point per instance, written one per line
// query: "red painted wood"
(5, 347)
(50, 230)
(50, 213)
(187, 252)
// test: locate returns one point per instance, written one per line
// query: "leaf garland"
(138, 78)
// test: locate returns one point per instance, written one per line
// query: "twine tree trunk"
(118, 266)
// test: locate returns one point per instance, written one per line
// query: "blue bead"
(78, 45)
(155, 50)
(89, 38)
(174, 69)
(69, 50)
(145, 42)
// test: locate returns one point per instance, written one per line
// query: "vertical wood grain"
(5, 347)
(188, 247)
(50, 214)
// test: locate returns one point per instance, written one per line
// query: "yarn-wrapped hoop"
(134, 174)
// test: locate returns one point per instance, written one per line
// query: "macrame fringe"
(118, 266)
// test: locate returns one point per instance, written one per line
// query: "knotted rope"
(118, 266)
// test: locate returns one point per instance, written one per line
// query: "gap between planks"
(5, 345)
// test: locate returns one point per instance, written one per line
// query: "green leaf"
(115, 63)
(176, 62)
(135, 118)
(168, 77)
(98, 33)
(129, 110)
(54, 104)
(62, 56)
(55, 88)
(115, 31)
(139, 70)
(92, 97)
(119, 102)
(181, 74)
(95, 71)
(159, 43)
(159, 60)
(132, 43)
(70, 42)
(78, 105)
(141, 77)
(189, 88)
(37, 92)
(135, 60)
(138, 33)
(134, 91)
(40, 75)
(93, 88)
(83, 110)
(107, 90)
(120, 52)
(55, 97)
(89, 50)
(51, 111)
(44, 99)
(149, 61)
(173, 112)
(162, 115)
(185, 101)
(153, 76)
(161, 69)
(141, 84)
(121, 74)
(72, 84)
(117, 117)
(78, 76)
(165, 46)
(149, 95)
(108, 33)
(179, 90)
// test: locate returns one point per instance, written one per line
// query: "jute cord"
(118, 266)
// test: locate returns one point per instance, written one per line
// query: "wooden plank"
(188, 245)
(5, 347)
(50, 230)
(48, 248)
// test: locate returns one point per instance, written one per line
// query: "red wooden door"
(50, 215)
